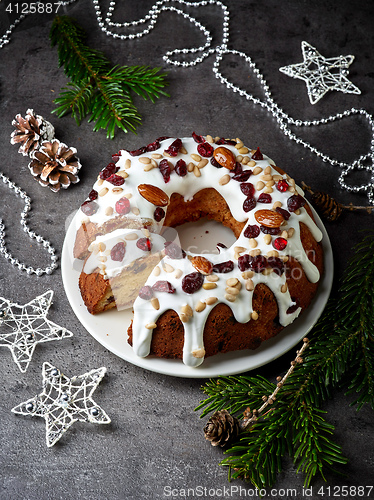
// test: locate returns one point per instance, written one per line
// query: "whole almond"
(154, 195)
(269, 218)
(201, 264)
(225, 157)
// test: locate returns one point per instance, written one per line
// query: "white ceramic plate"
(110, 328)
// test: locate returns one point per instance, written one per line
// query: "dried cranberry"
(163, 286)
(248, 189)
(276, 264)
(243, 176)
(294, 202)
(270, 230)
(280, 243)
(226, 141)
(249, 204)
(174, 251)
(174, 148)
(159, 214)
(286, 215)
(122, 206)
(294, 307)
(197, 138)
(89, 207)
(118, 252)
(109, 170)
(215, 163)
(223, 267)
(144, 244)
(165, 169)
(138, 152)
(153, 146)
(258, 263)
(205, 150)
(93, 194)
(116, 157)
(282, 185)
(243, 262)
(238, 169)
(192, 282)
(257, 155)
(116, 180)
(146, 292)
(252, 231)
(181, 168)
(264, 198)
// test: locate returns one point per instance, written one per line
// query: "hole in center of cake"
(203, 235)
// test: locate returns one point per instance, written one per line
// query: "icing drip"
(144, 170)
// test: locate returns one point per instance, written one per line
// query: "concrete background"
(155, 440)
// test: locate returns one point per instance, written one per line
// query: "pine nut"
(155, 303)
(103, 191)
(260, 185)
(200, 306)
(150, 326)
(230, 298)
(202, 163)
(212, 277)
(267, 239)
(209, 286)
(131, 236)
(257, 170)
(211, 300)
(232, 281)
(145, 160)
(224, 180)
(249, 285)
(195, 157)
(254, 315)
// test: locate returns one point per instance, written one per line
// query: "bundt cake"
(186, 305)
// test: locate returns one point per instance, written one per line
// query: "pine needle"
(99, 91)
(340, 355)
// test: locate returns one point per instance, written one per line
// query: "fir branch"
(342, 344)
(96, 88)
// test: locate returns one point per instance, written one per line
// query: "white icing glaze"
(188, 186)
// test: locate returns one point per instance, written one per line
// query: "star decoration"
(322, 74)
(23, 327)
(64, 401)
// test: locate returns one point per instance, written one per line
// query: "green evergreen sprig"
(97, 89)
(340, 355)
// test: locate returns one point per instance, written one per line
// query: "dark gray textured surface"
(155, 438)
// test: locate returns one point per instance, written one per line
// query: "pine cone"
(221, 429)
(30, 132)
(55, 165)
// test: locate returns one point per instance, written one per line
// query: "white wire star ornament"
(22, 327)
(322, 74)
(64, 401)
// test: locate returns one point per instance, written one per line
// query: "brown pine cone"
(55, 165)
(221, 429)
(30, 132)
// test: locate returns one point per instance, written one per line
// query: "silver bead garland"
(46, 244)
(283, 120)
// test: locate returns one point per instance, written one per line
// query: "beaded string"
(46, 244)
(284, 121)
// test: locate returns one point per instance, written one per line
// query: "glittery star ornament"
(322, 74)
(23, 327)
(64, 401)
